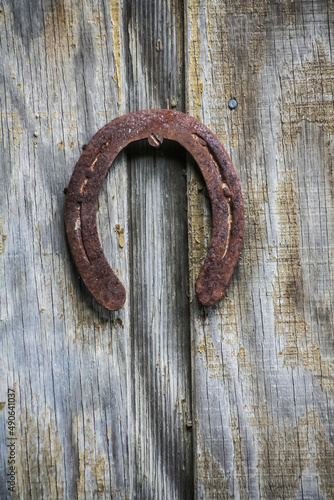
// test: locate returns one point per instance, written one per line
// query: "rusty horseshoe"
(220, 178)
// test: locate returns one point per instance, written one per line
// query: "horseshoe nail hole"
(154, 140)
(227, 192)
(200, 140)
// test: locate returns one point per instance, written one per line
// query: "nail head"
(232, 103)
(155, 140)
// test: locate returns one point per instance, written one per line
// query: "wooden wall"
(165, 399)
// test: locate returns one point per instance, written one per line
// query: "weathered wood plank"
(263, 358)
(102, 398)
(68, 359)
(158, 241)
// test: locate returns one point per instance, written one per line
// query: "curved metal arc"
(219, 176)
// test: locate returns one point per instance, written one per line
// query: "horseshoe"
(219, 176)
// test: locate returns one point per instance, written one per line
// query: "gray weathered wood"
(103, 399)
(160, 326)
(263, 358)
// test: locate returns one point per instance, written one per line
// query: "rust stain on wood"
(101, 38)
(3, 237)
(229, 77)
(211, 357)
(246, 7)
(197, 248)
(119, 322)
(100, 327)
(287, 287)
(239, 458)
(120, 233)
(72, 133)
(308, 95)
(95, 18)
(256, 236)
(114, 17)
(243, 359)
(311, 359)
(92, 467)
(42, 476)
(14, 126)
(200, 225)
(278, 455)
(311, 430)
(300, 348)
(286, 453)
(212, 476)
(288, 9)
(229, 324)
(196, 84)
(81, 479)
(59, 30)
(98, 471)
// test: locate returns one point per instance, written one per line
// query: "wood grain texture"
(102, 399)
(263, 357)
(159, 258)
(163, 400)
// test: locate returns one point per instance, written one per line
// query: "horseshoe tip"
(207, 297)
(114, 305)
(110, 292)
(116, 300)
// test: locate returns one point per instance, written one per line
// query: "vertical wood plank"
(102, 399)
(263, 357)
(158, 255)
(67, 359)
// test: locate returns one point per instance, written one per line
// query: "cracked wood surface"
(165, 399)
